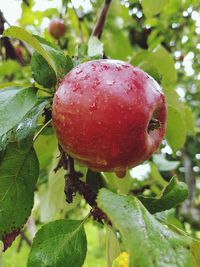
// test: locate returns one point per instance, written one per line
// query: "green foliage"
(19, 33)
(52, 197)
(176, 138)
(153, 7)
(113, 246)
(160, 37)
(69, 239)
(173, 194)
(42, 72)
(15, 99)
(17, 184)
(158, 59)
(9, 67)
(137, 226)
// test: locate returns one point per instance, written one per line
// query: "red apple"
(109, 115)
(19, 54)
(57, 28)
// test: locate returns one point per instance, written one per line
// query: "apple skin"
(101, 114)
(57, 28)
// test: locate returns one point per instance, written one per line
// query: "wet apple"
(109, 115)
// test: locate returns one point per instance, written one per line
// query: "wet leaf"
(59, 243)
(15, 102)
(23, 35)
(173, 194)
(148, 242)
(19, 171)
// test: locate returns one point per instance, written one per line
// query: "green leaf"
(19, 33)
(95, 47)
(28, 124)
(153, 7)
(15, 102)
(9, 67)
(163, 61)
(26, 127)
(42, 72)
(151, 70)
(19, 171)
(59, 243)
(62, 63)
(155, 174)
(112, 245)
(148, 242)
(163, 164)
(45, 155)
(13, 84)
(117, 184)
(173, 194)
(189, 120)
(159, 62)
(176, 130)
(173, 98)
(113, 40)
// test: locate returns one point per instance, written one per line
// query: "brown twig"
(23, 238)
(98, 29)
(74, 185)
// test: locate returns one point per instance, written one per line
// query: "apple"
(109, 115)
(19, 53)
(57, 28)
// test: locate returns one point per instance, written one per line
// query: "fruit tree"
(99, 134)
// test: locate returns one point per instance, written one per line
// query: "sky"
(12, 8)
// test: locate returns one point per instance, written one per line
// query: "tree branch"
(189, 175)
(98, 29)
(41, 129)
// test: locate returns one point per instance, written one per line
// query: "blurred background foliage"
(162, 38)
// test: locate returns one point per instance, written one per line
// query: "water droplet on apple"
(86, 77)
(110, 82)
(97, 81)
(93, 106)
(93, 67)
(125, 66)
(105, 67)
(79, 72)
(121, 173)
(118, 68)
(76, 87)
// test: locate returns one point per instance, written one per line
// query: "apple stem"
(98, 29)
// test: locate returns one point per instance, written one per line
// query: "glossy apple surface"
(109, 115)
(57, 28)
